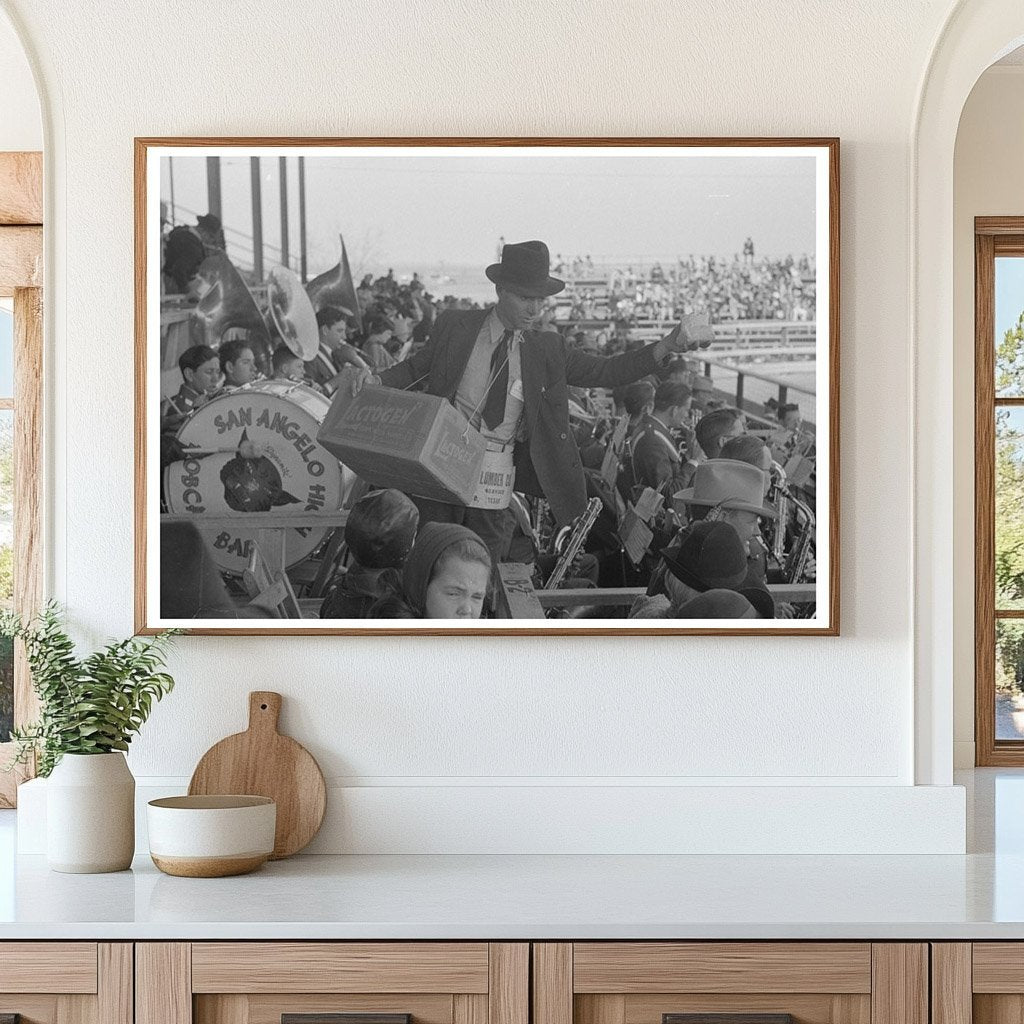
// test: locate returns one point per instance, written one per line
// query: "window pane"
(6, 567)
(6, 353)
(1009, 338)
(1009, 679)
(1009, 483)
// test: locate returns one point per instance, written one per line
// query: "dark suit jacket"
(548, 464)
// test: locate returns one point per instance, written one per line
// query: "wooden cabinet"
(758, 982)
(978, 983)
(308, 982)
(66, 982)
(494, 983)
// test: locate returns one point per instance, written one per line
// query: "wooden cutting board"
(262, 762)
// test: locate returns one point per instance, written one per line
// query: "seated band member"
(751, 449)
(638, 402)
(335, 353)
(511, 382)
(200, 372)
(783, 440)
(445, 577)
(238, 364)
(375, 354)
(200, 376)
(287, 365)
(655, 461)
(716, 428)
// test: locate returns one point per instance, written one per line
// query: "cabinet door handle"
(727, 1018)
(337, 1018)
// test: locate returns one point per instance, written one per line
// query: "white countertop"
(977, 896)
(517, 897)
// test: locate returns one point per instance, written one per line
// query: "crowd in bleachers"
(744, 287)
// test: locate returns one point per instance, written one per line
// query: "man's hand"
(354, 378)
(692, 332)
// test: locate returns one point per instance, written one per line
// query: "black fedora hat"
(524, 268)
(708, 556)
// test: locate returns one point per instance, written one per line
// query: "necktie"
(494, 406)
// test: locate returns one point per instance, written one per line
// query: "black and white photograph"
(487, 386)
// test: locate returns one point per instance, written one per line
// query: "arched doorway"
(976, 34)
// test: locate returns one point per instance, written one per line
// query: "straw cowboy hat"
(728, 484)
(524, 268)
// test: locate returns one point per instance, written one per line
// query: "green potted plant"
(89, 710)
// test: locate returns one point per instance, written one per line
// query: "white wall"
(987, 182)
(21, 127)
(432, 716)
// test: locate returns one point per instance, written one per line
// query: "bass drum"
(256, 451)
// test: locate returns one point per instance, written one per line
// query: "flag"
(335, 287)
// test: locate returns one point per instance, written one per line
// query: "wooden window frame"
(21, 278)
(993, 236)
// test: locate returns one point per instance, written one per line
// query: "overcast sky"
(427, 209)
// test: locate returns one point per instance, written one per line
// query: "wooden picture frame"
(993, 237)
(269, 572)
(21, 279)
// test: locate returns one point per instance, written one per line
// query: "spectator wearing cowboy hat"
(734, 489)
(511, 382)
(735, 492)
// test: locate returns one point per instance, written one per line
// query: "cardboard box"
(419, 444)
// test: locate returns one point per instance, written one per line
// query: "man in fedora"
(733, 492)
(704, 556)
(511, 382)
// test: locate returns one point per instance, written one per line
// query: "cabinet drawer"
(340, 967)
(58, 967)
(634, 967)
(332, 983)
(730, 983)
(66, 982)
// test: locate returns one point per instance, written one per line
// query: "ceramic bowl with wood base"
(211, 836)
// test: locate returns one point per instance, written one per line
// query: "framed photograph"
(444, 386)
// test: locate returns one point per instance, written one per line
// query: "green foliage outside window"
(1009, 510)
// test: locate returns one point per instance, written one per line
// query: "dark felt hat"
(381, 529)
(525, 269)
(759, 597)
(716, 604)
(709, 555)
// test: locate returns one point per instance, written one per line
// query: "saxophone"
(778, 495)
(542, 523)
(573, 539)
(795, 566)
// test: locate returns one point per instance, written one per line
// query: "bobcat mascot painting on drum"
(255, 450)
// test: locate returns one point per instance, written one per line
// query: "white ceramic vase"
(90, 814)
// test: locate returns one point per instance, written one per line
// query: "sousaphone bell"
(292, 313)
